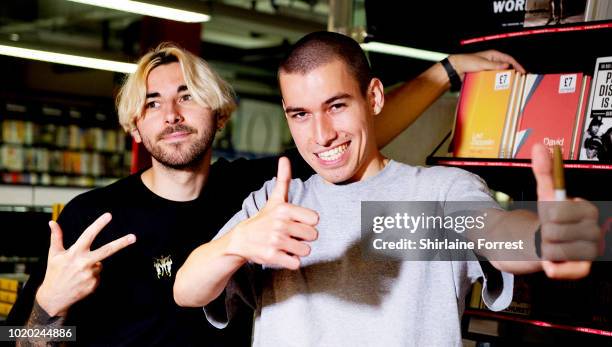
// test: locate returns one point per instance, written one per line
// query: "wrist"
(454, 75)
(47, 303)
(234, 245)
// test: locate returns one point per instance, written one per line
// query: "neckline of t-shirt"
(161, 199)
(388, 170)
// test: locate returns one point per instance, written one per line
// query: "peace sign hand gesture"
(74, 273)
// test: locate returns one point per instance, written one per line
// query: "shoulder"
(458, 184)
(441, 182)
(120, 189)
(258, 199)
(85, 208)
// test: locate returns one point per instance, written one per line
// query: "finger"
(298, 214)
(582, 231)
(580, 213)
(568, 270)
(283, 180)
(295, 247)
(502, 58)
(541, 165)
(291, 262)
(97, 269)
(56, 244)
(86, 239)
(113, 247)
(567, 251)
(505, 58)
(302, 231)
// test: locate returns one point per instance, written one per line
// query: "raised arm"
(406, 103)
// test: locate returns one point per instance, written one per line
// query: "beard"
(182, 155)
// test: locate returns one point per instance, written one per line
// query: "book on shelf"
(599, 10)
(596, 139)
(486, 114)
(8, 297)
(12, 282)
(549, 109)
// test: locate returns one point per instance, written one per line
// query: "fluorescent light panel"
(67, 59)
(403, 51)
(149, 10)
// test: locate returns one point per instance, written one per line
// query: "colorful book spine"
(8, 296)
(580, 116)
(486, 103)
(548, 112)
(596, 139)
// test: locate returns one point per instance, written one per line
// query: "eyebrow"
(334, 98)
(181, 88)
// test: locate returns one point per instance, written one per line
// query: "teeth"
(333, 154)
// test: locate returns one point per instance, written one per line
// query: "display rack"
(565, 48)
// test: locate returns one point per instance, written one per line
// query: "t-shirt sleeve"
(242, 288)
(497, 286)
(467, 192)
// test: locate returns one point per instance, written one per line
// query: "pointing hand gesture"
(74, 273)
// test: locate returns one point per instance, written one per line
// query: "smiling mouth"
(334, 153)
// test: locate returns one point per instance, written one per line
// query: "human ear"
(376, 95)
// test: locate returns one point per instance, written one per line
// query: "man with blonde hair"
(173, 104)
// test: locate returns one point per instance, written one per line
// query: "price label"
(567, 83)
(502, 80)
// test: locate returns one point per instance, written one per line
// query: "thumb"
(541, 165)
(57, 239)
(283, 179)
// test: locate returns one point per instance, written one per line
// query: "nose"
(172, 114)
(325, 133)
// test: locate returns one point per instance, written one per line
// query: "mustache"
(175, 129)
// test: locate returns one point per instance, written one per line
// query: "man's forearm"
(511, 227)
(205, 273)
(406, 103)
(39, 318)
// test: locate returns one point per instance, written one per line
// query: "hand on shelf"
(74, 273)
(484, 60)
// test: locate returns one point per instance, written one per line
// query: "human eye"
(298, 115)
(151, 104)
(186, 97)
(337, 106)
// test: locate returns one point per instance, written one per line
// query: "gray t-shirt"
(338, 298)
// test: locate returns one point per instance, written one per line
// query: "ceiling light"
(403, 51)
(67, 59)
(149, 10)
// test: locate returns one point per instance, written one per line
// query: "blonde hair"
(206, 87)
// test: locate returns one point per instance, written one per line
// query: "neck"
(373, 166)
(177, 184)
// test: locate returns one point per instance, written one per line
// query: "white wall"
(37, 196)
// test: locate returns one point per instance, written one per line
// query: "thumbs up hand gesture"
(278, 234)
(569, 228)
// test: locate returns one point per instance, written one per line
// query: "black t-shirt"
(133, 304)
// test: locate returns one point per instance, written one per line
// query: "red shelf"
(537, 31)
(539, 323)
(514, 163)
